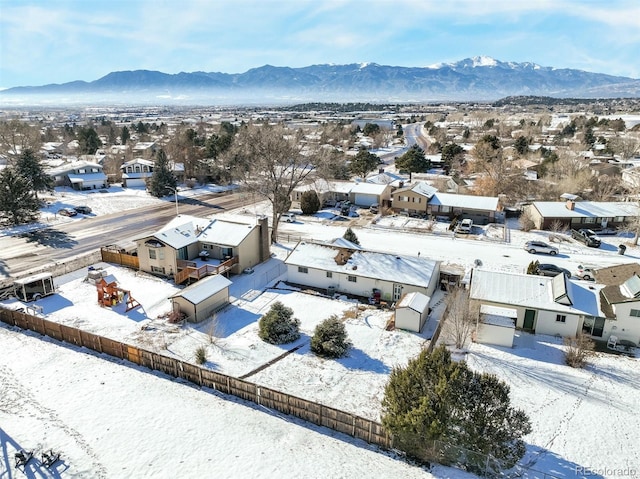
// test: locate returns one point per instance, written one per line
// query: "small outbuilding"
(412, 311)
(198, 301)
(496, 325)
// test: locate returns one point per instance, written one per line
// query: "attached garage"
(496, 325)
(412, 311)
(202, 299)
(367, 194)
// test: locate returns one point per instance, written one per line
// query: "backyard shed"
(496, 325)
(412, 311)
(203, 298)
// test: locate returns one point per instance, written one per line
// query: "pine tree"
(279, 326)
(18, 204)
(436, 399)
(309, 203)
(30, 167)
(162, 182)
(363, 163)
(349, 235)
(414, 160)
(330, 338)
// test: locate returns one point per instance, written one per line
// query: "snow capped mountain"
(480, 78)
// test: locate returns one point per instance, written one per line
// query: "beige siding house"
(413, 199)
(186, 239)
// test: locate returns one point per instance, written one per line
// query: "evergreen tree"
(349, 235)
(436, 399)
(413, 160)
(162, 182)
(88, 141)
(309, 202)
(370, 129)
(124, 135)
(521, 145)
(450, 153)
(279, 326)
(30, 167)
(330, 338)
(364, 162)
(18, 204)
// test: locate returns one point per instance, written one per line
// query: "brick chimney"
(265, 238)
(571, 205)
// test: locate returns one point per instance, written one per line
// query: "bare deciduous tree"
(272, 160)
(460, 316)
(17, 136)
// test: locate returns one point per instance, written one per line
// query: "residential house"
(481, 209)
(620, 303)
(200, 300)
(359, 193)
(413, 199)
(136, 173)
(175, 249)
(144, 149)
(581, 214)
(361, 273)
(543, 305)
(79, 175)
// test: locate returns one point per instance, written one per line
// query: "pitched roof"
(203, 289)
(402, 269)
(586, 209)
(415, 301)
(532, 291)
(485, 203)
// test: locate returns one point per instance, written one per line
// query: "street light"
(175, 192)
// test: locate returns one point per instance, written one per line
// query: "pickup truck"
(587, 237)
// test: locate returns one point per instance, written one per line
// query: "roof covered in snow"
(586, 209)
(184, 230)
(203, 289)
(402, 269)
(485, 203)
(415, 301)
(533, 291)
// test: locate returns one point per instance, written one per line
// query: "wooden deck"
(192, 272)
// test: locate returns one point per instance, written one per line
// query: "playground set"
(110, 295)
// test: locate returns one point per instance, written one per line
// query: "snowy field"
(151, 426)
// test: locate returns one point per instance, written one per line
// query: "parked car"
(587, 237)
(289, 217)
(67, 212)
(465, 226)
(586, 273)
(85, 210)
(374, 208)
(552, 270)
(534, 247)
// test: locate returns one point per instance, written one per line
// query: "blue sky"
(57, 41)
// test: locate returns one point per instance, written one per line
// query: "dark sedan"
(552, 270)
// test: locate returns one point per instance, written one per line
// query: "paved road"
(19, 254)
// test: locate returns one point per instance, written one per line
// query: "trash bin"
(331, 291)
(621, 249)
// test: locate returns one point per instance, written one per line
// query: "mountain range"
(472, 79)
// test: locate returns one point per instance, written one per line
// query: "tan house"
(581, 214)
(175, 249)
(413, 199)
(200, 300)
(136, 172)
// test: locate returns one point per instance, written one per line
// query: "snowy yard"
(151, 426)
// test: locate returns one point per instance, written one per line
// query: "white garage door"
(365, 200)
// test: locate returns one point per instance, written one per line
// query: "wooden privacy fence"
(310, 411)
(116, 257)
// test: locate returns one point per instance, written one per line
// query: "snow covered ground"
(151, 426)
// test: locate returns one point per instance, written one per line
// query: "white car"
(289, 217)
(465, 226)
(534, 247)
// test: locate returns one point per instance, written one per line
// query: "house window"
(634, 313)
(157, 269)
(152, 253)
(590, 220)
(352, 279)
(619, 219)
(303, 269)
(561, 318)
(227, 252)
(329, 274)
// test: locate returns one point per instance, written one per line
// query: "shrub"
(201, 355)
(309, 203)
(349, 235)
(330, 338)
(279, 326)
(435, 408)
(578, 350)
(526, 222)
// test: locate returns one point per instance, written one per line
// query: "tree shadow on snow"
(50, 237)
(543, 464)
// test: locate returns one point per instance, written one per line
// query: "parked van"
(465, 226)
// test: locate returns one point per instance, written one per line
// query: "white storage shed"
(203, 298)
(496, 325)
(412, 311)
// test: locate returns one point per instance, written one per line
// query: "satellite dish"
(478, 263)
